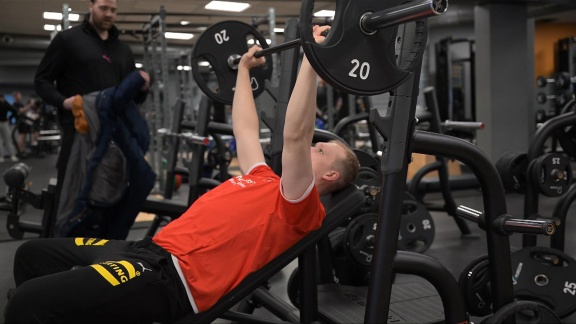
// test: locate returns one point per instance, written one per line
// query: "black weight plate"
(512, 168)
(219, 44)
(545, 275)
(354, 62)
(474, 285)
(368, 176)
(552, 174)
(369, 180)
(215, 157)
(367, 159)
(360, 236)
(416, 227)
(525, 311)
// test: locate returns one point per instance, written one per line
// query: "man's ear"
(331, 175)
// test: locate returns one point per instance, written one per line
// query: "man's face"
(103, 14)
(324, 154)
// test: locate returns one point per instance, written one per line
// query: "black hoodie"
(78, 61)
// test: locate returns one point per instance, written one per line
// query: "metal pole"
(65, 16)
(272, 26)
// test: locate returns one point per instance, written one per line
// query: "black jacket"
(128, 184)
(81, 62)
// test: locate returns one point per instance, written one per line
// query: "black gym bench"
(339, 206)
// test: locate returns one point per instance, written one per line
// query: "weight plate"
(219, 45)
(215, 157)
(369, 180)
(525, 311)
(545, 275)
(355, 62)
(360, 238)
(416, 228)
(551, 173)
(367, 159)
(512, 168)
(474, 285)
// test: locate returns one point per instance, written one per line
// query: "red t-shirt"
(234, 230)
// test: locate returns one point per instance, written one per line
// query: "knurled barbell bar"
(222, 45)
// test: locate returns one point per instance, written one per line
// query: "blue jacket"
(116, 179)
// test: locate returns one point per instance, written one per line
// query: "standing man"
(5, 134)
(81, 60)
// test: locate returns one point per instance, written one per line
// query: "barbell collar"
(407, 12)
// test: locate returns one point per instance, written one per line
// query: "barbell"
(360, 55)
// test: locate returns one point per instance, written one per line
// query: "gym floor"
(448, 247)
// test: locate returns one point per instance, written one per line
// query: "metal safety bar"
(462, 125)
(188, 136)
(510, 224)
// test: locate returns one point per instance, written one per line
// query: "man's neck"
(102, 33)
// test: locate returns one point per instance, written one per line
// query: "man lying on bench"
(227, 234)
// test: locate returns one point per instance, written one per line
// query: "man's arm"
(50, 67)
(245, 122)
(297, 173)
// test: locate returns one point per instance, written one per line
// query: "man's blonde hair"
(347, 167)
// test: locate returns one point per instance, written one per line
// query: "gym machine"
(455, 77)
(396, 125)
(18, 195)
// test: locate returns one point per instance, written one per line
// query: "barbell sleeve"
(403, 13)
(507, 224)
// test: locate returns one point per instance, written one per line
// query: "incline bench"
(339, 207)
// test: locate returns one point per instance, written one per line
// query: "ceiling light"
(325, 13)
(278, 30)
(138, 65)
(184, 23)
(58, 16)
(251, 41)
(184, 36)
(227, 6)
(48, 27)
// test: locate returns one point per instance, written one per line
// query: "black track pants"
(112, 282)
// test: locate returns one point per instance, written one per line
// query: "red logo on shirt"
(106, 58)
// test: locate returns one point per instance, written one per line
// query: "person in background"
(5, 133)
(28, 117)
(86, 58)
